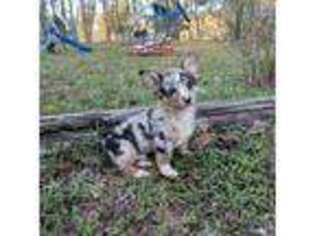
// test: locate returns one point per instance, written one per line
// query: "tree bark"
(238, 21)
(53, 6)
(88, 9)
(63, 10)
(106, 20)
(43, 17)
(72, 20)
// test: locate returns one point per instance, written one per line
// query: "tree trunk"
(255, 51)
(43, 18)
(53, 6)
(63, 10)
(198, 27)
(88, 15)
(107, 24)
(118, 21)
(72, 21)
(238, 21)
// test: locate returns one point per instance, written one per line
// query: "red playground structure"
(151, 48)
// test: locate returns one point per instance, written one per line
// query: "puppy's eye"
(188, 80)
(190, 83)
(172, 91)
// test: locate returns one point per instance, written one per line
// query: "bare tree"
(43, 17)
(72, 21)
(235, 16)
(238, 19)
(259, 42)
(63, 10)
(106, 19)
(53, 6)
(88, 11)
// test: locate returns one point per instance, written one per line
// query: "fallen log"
(67, 128)
(218, 111)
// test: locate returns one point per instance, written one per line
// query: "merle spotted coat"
(157, 130)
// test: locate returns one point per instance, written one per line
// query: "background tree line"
(250, 24)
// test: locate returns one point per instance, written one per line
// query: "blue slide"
(70, 41)
(170, 14)
(55, 35)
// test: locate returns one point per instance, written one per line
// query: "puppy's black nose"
(141, 72)
(188, 100)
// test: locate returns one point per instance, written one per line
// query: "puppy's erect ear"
(151, 79)
(189, 63)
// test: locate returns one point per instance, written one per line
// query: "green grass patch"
(108, 77)
(223, 189)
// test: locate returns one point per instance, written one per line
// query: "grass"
(108, 78)
(223, 189)
(227, 188)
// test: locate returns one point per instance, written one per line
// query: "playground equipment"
(162, 13)
(151, 48)
(166, 22)
(56, 33)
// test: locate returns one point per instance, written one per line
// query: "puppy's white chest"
(183, 126)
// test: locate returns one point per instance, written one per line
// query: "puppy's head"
(175, 87)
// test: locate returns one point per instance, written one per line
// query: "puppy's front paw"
(140, 173)
(168, 171)
(143, 163)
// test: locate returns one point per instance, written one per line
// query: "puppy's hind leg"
(143, 162)
(127, 159)
(136, 172)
